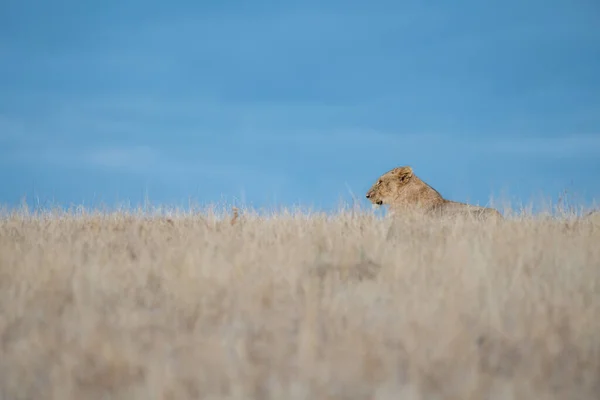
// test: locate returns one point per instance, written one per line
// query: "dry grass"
(297, 306)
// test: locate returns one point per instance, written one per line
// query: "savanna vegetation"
(297, 305)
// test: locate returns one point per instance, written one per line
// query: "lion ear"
(404, 173)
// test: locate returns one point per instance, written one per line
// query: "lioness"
(401, 189)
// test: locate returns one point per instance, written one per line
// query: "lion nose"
(368, 195)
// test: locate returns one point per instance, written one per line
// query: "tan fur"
(404, 192)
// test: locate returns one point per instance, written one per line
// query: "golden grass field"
(294, 305)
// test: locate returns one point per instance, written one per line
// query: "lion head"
(385, 190)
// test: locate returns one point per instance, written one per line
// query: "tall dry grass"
(297, 306)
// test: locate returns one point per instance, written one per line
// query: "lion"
(402, 190)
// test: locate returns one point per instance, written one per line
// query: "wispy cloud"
(100, 123)
(13, 130)
(137, 158)
(550, 147)
(143, 161)
(558, 146)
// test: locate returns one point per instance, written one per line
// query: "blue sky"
(270, 103)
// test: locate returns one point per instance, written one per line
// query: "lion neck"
(418, 194)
